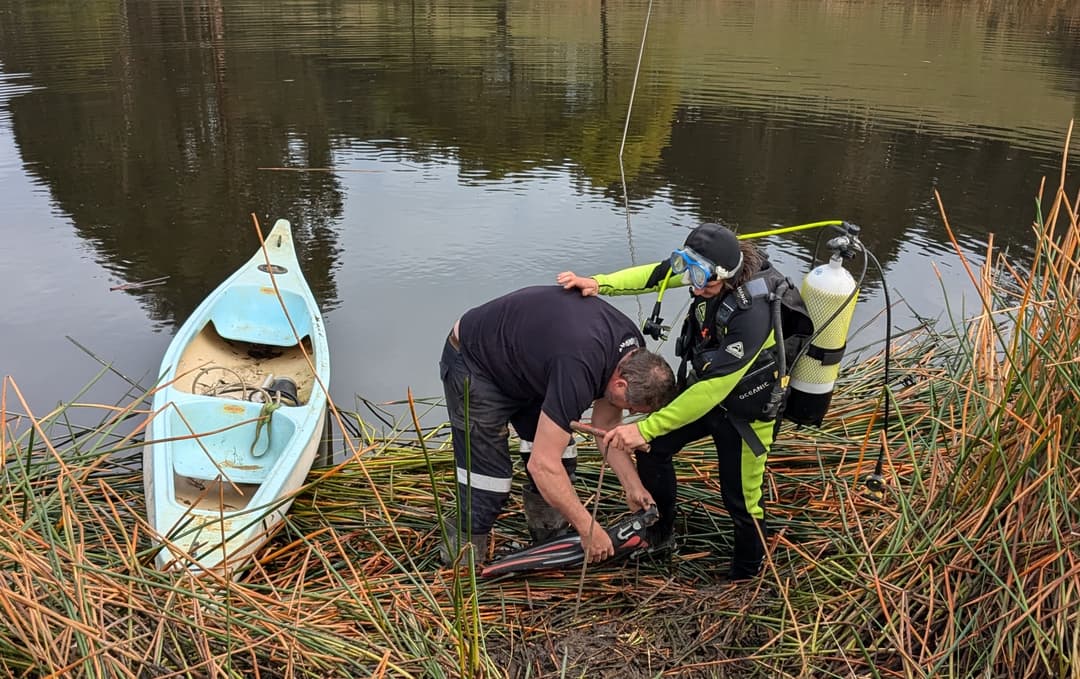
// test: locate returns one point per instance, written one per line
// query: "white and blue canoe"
(238, 414)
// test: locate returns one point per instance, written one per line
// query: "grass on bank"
(970, 566)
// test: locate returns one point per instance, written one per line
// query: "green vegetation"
(969, 566)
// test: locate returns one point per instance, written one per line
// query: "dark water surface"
(456, 150)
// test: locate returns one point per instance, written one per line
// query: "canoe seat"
(230, 444)
(252, 313)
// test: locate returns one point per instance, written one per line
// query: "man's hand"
(625, 437)
(569, 280)
(598, 546)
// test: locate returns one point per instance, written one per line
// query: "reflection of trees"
(520, 84)
(1064, 28)
(501, 109)
(847, 170)
(153, 123)
(151, 142)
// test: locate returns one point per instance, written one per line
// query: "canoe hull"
(239, 414)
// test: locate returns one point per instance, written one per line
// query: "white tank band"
(812, 387)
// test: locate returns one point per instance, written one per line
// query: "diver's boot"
(545, 522)
(742, 569)
(449, 550)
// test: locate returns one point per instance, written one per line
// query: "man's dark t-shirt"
(548, 345)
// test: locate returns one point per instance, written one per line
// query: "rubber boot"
(449, 550)
(545, 522)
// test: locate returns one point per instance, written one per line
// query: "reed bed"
(969, 565)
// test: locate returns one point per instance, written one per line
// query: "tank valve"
(847, 245)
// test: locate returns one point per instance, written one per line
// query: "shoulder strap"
(742, 297)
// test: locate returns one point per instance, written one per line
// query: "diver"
(727, 377)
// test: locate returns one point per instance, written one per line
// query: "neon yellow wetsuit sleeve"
(698, 399)
(635, 280)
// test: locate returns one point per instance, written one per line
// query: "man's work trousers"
(481, 440)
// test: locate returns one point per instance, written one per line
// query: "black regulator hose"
(875, 483)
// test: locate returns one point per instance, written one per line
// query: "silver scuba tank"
(826, 289)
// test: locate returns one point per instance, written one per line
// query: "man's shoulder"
(556, 297)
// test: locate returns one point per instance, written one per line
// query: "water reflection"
(486, 135)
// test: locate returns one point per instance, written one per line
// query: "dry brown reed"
(969, 566)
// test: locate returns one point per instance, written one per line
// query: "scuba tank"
(829, 292)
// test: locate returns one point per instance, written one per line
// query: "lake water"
(432, 155)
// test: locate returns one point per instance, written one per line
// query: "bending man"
(538, 358)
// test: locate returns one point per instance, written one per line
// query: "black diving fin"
(627, 535)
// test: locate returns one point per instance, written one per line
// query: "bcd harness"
(762, 391)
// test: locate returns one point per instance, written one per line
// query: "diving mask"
(698, 269)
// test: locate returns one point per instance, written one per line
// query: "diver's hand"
(626, 437)
(569, 280)
(638, 498)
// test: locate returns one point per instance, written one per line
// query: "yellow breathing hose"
(663, 285)
(789, 229)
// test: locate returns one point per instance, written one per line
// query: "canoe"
(238, 414)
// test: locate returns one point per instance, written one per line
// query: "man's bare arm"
(549, 475)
